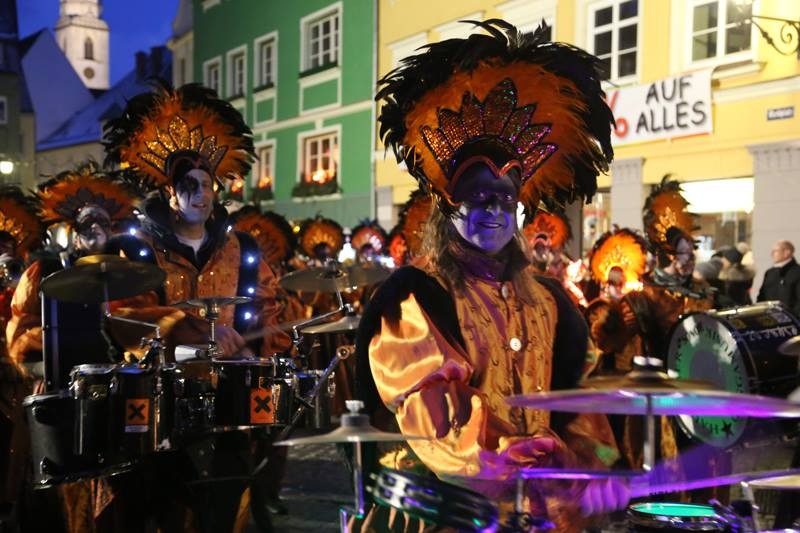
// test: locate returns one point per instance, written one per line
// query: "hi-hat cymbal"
(790, 347)
(346, 323)
(96, 279)
(631, 393)
(213, 301)
(344, 434)
(327, 279)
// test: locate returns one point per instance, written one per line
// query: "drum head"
(703, 347)
(663, 516)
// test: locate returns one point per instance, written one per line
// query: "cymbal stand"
(156, 343)
(354, 418)
(211, 316)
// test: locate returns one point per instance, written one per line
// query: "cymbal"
(350, 434)
(556, 473)
(346, 323)
(790, 482)
(663, 402)
(341, 278)
(790, 347)
(213, 301)
(96, 279)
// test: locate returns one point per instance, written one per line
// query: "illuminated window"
(264, 177)
(614, 37)
(321, 154)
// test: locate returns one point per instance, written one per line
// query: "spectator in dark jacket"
(782, 281)
(736, 278)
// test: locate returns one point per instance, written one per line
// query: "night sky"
(134, 25)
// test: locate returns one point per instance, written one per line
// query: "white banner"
(672, 107)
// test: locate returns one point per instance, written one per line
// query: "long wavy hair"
(440, 232)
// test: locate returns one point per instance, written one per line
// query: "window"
(320, 155)
(613, 37)
(3, 110)
(265, 62)
(720, 28)
(322, 41)
(88, 49)
(211, 75)
(237, 73)
(263, 179)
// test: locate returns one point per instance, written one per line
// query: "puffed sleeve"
(24, 328)
(424, 378)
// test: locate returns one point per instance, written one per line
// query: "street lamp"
(6, 167)
(789, 31)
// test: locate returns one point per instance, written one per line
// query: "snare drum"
(250, 393)
(318, 415)
(674, 517)
(434, 501)
(51, 422)
(735, 349)
(143, 409)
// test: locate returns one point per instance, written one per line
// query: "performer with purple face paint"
(484, 123)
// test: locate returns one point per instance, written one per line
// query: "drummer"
(186, 233)
(487, 122)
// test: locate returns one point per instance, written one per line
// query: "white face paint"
(194, 196)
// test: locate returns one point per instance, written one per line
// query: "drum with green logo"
(737, 350)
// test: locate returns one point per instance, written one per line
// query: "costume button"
(515, 344)
(504, 291)
(200, 278)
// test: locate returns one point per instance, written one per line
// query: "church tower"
(83, 37)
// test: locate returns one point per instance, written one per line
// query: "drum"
(250, 393)
(194, 399)
(664, 517)
(51, 422)
(143, 409)
(434, 501)
(737, 350)
(318, 414)
(91, 386)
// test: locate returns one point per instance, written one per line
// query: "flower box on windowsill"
(317, 69)
(306, 189)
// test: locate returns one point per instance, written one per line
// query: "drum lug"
(247, 378)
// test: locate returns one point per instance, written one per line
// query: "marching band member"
(186, 141)
(368, 239)
(483, 123)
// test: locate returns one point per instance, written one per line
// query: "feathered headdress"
(622, 248)
(664, 209)
(319, 230)
(369, 232)
(397, 246)
(63, 197)
(413, 217)
(19, 218)
(159, 126)
(538, 103)
(552, 227)
(271, 231)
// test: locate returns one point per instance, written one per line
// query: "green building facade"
(302, 74)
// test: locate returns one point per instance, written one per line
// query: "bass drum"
(736, 349)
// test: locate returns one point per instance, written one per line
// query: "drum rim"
(637, 508)
(110, 367)
(243, 362)
(61, 393)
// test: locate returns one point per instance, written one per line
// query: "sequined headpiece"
(622, 248)
(536, 103)
(159, 128)
(368, 232)
(666, 208)
(553, 228)
(319, 230)
(270, 230)
(19, 218)
(64, 197)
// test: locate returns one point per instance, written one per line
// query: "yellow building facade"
(699, 91)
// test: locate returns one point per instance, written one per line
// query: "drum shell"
(250, 393)
(737, 350)
(143, 410)
(194, 399)
(318, 416)
(657, 518)
(52, 428)
(91, 389)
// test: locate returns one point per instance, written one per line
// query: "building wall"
(299, 102)
(51, 162)
(11, 133)
(182, 59)
(72, 30)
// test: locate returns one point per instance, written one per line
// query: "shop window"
(614, 37)
(211, 75)
(322, 41)
(720, 28)
(265, 62)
